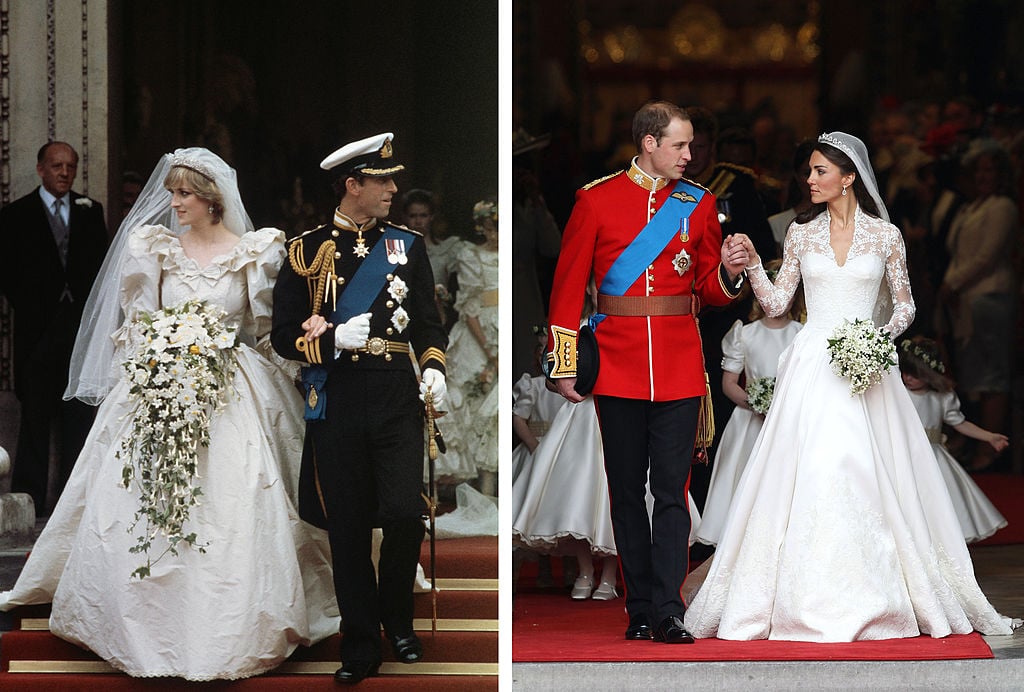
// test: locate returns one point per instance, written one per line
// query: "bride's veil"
(858, 153)
(93, 370)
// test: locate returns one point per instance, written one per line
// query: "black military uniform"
(363, 459)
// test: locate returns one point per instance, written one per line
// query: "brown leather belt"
(643, 306)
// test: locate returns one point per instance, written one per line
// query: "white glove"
(434, 381)
(354, 333)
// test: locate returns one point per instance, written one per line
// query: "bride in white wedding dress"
(263, 585)
(841, 528)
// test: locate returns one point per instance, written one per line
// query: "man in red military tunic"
(653, 244)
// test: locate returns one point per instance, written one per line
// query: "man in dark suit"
(353, 301)
(54, 241)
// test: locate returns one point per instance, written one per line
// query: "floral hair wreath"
(485, 210)
(928, 359)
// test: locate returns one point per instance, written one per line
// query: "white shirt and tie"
(59, 216)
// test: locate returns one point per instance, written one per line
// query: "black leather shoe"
(638, 629)
(352, 672)
(407, 649)
(671, 631)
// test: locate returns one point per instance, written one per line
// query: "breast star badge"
(681, 262)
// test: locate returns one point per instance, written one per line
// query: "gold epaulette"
(303, 235)
(592, 183)
(403, 228)
(696, 184)
(737, 168)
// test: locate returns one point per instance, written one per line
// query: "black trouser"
(369, 460)
(42, 377)
(655, 439)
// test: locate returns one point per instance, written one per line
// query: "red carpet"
(1006, 492)
(548, 627)
(458, 655)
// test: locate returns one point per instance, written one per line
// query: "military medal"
(681, 262)
(684, 229)
(396, 251)
(360, 250)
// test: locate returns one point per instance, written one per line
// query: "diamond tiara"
(193, 165)
(827, 138)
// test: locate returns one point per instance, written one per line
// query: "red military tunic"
(655, 358)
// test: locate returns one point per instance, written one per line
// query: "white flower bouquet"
(759, 393)
(861, 353)
(179, 374)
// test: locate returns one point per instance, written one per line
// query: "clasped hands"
(737, 254)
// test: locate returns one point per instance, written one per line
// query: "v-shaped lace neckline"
(215, 261)
(853, 237)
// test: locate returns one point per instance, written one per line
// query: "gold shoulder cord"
(319, 269)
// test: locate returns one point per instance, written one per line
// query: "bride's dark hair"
(846, 165)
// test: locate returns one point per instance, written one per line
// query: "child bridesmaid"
(931, 390)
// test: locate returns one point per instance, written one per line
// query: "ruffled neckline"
(250, 247)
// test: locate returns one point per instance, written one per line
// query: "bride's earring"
(844, 195)
(211, 210)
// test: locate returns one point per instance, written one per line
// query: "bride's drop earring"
(844, 193)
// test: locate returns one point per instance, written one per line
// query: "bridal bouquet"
(860, 353)
(483, 382)
(759, 393)
(178, 374)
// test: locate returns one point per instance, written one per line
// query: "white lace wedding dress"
(841, 527)
(264, 584)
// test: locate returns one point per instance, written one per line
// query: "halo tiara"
(828, 138)
(192, 164)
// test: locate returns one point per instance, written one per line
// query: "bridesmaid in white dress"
(471, 426)
(841, 527)
(751, 350)
(932, 394)
(263, 585)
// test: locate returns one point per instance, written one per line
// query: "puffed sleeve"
(140, 275)
(524, 397)
(261, 260)
(471, 280)
(951, 413)
(733, 355)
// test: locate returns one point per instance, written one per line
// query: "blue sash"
(364, 287)
(650, 242)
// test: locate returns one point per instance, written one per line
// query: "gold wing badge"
(683, 196)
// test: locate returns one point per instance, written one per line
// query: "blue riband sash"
(364, 287)
(650, 242)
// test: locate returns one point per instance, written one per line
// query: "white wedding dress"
(264, 584)
(841, 527)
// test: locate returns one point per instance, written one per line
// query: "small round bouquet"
(759, 394)
(179, 373)
(861, 353)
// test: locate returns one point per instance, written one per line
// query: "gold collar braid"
(319, 269)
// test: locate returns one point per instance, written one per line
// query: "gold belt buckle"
(376, 346)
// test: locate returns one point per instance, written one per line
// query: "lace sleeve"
(776, 298)
(903, 309)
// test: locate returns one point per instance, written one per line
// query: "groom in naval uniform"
(653, 244)
(54, 241)
(355, 303)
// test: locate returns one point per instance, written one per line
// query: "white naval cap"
(371, 156)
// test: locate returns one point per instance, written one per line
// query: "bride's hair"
(204, 188)
(847, 166)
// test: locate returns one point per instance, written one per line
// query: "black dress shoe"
(352, 672)
(638, 629)
(671, 631)
(407, 649)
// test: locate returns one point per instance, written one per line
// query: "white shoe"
(605, 592)
(582, 587)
